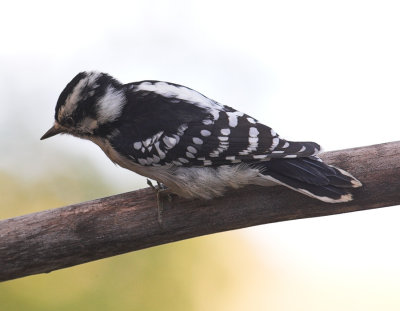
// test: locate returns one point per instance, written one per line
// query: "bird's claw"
(161, 191)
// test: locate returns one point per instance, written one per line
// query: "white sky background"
(327, 71)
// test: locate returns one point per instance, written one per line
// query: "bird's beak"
(54, 130)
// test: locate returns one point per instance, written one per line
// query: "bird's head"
(88, 105)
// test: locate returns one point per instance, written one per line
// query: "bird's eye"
(69, 121)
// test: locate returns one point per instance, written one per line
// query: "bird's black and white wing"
(188, 129)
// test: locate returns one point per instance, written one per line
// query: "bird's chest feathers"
(152, 172)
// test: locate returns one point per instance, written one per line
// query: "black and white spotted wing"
(190, 129)
(235, 137)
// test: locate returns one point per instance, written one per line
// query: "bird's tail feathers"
(312, 177)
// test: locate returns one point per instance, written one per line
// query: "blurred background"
(326, 71)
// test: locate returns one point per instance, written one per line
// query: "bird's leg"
(161, 191)
(151, 185)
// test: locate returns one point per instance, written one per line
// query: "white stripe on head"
(72, 100)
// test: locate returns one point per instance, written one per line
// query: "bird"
(194, 146)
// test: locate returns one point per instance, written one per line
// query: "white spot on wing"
(172, 140)
(169, 142)
(149, 160)
(233, 118)
(147, 142)
(177, 138)
(251, 120)
(205, 133)
(137, 145)
(160, 152)
(253, 132)
(156, 159)
(183, 160)
(225, 131)
(191, 149)
(207, 122)
(182, 129)
(260, 156)
(253, 140)
(197, 141)
(275, 142)
(142, 161)
(156, 136)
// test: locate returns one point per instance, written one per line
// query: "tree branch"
(75, 234)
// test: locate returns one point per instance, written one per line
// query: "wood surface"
(79, 233)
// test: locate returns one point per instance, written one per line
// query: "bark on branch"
(71, 235)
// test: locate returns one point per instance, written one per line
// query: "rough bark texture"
(71, 235)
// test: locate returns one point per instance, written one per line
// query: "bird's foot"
(161, 192)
